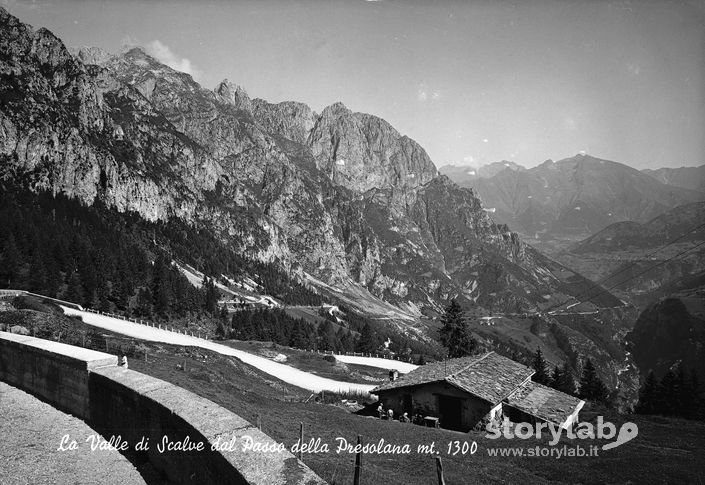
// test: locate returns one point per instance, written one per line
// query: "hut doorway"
(450, 410)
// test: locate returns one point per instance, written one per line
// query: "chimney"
(393, 375)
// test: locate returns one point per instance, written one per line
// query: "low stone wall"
(120, 402)
(56, 373)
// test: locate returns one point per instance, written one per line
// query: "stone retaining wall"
(121, 402)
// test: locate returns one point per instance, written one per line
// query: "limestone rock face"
(363, 152)
(71, 128)
(91, 55)
(340, 199)
(234, 94)
(291, 120)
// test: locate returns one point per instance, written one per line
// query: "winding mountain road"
(286, 373)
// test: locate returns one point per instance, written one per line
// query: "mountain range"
(575, 197)
(340, 201)
(692, 178)
(464, 174)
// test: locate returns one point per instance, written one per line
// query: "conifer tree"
(562, 379)
(649, 396)
(210, 296)
(161, 292)
(326, 335)
(74, 289)
(455, 334)
(369, 340)
(219, 330)
(539, 365)
(591, 386)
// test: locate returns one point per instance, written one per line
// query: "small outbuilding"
(468, 392)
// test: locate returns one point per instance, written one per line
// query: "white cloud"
(485, 140)
(423, 93)
(165, 55)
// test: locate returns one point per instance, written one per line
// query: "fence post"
(301, 441)
(358, 462)
(439, 471)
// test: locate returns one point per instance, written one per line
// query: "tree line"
(590, 386)
(276, 325)
(351, 333)
(118, 262)
(678, 393)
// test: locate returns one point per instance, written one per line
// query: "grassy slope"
(318, 364)
(666, 450)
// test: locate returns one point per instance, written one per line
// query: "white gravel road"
(402, 367)
(284, 372)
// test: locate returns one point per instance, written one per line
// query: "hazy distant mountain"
(644, 262)
(679, 222)
(692, 178)
(463, 174)
(576, 197)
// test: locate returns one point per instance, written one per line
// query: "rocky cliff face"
(66, 127)
(363, 152)
(341, 198)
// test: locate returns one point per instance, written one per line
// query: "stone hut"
(468, 392)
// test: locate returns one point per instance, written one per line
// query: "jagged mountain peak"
(335, 110)
(234, 94)
(343, 196)
(21, 41)
(364, 152)
(91, 55)
(138, 57)
(138, 52)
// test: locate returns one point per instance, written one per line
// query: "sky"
(473, 82)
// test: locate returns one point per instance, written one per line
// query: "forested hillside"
(114, 261)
